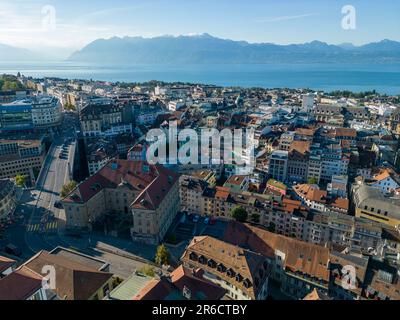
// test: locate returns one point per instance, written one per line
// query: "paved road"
(41, 226)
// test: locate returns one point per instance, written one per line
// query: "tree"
(313, 180)
(67, 188)
(148, 271)
(272, 227)
(20, 180)
(239, 214)
(255, 218)
(69, 107)
(162, 255)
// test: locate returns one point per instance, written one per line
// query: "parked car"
(213, 221)
(196, 218)
(58, 205)
(207, 220)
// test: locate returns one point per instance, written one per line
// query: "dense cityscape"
(315, 217)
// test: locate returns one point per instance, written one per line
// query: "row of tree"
(9, 82)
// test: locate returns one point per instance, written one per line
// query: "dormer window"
(193, 256)
(239, 277)
(231, 273)
(221, 268)
(247, 283)
(202, 260)
(211, 263)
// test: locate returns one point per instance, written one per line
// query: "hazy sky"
(77, 22)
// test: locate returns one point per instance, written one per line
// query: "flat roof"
(81, 258)
(130, 287)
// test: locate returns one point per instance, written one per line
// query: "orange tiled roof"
(311, 193)
(304, 257)
(302, 147)
(20, 284)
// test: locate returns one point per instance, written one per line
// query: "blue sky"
(77, 22)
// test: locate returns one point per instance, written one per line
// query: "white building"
(307, 102)
(278, 165)
(46, 111)
(385, 182)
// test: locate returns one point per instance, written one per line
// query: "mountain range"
(206, 49)
(9, 53)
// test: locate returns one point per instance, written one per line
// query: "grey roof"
(371, 197)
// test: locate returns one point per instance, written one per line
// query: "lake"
(384, 78)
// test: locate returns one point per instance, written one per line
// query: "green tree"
(272, 227)
(312, 180)
(20, 180)
(67, 188)
(148, 271)
(255, 218)
(239, 214)
(10, 82)
(69, 107)
(162, 255)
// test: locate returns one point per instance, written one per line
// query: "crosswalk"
(50, 226)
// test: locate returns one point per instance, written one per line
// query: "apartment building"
(104, 119)
(298, 158)
(278, 165)
(36, 112)
(21, 157)
(286, 140)
(371, 204)
(145, 196)
(328, 112)
(298, 267)
(386, 180)
(334, 162)
(242, 273)
(237, 183)
(190, 192)
(316, 199)
(97, 160)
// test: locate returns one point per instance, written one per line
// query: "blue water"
(384, 78)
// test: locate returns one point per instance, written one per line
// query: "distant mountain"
(205, 49)
(13, 54)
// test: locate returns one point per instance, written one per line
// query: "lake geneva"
(385, 78)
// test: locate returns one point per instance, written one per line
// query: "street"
(41, 226)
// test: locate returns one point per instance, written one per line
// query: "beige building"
(190, 192)
(371, 204)
(21, 157)
(145, 196)
(299, 267)
(243, 273)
